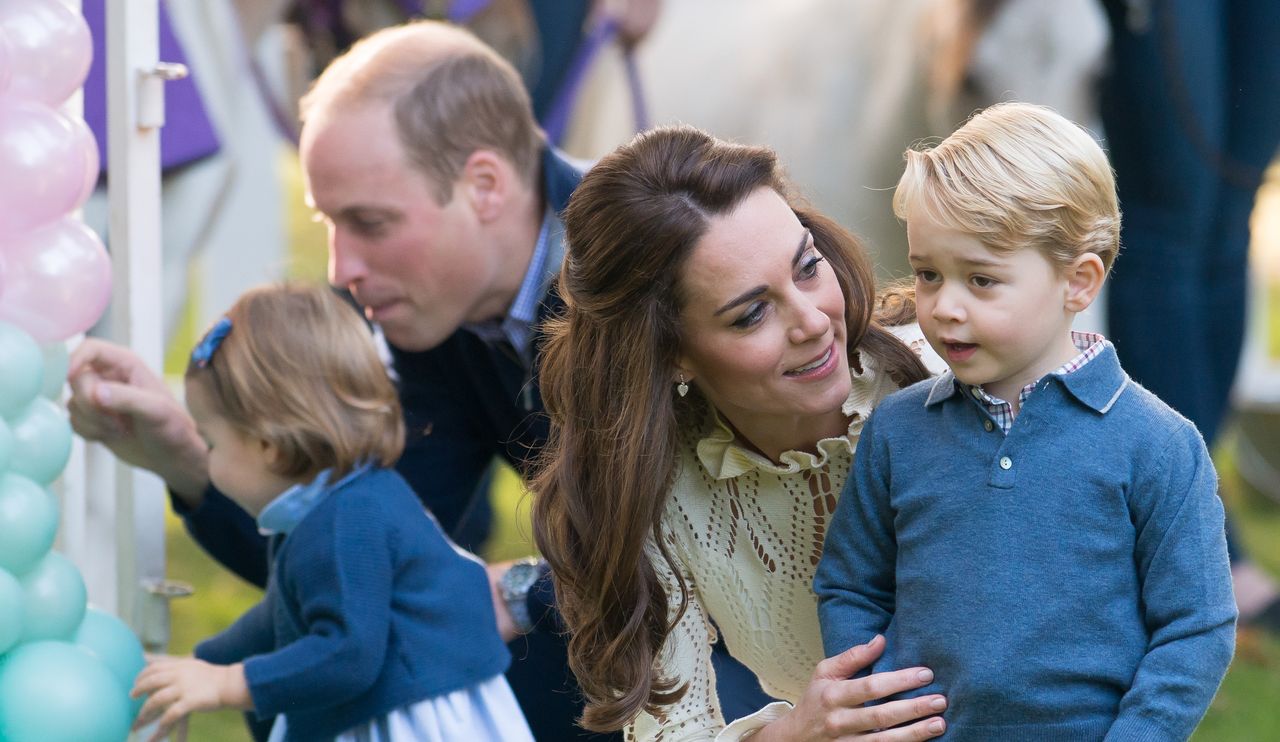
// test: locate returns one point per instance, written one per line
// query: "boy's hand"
(177, 686)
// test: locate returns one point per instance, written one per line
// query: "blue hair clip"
(205, 349)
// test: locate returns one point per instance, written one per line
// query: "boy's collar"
(1097, 385)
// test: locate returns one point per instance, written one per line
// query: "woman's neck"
(799, 433)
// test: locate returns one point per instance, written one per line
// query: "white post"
(132, 517)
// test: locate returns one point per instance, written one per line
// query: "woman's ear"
(682, 372)
(1085, 276)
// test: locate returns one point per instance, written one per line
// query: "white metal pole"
(134, 115)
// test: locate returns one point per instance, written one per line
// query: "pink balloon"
(48, 164)
(55, 281)
(6, 71)
(49, 49)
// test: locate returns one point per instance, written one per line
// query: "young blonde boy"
(1034, 526)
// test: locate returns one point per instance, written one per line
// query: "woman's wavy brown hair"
(607, 371)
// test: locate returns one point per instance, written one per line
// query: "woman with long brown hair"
(706, 384)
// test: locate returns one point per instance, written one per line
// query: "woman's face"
(762, 327)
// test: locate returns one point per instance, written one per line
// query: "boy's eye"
(926, 275)
(983, 282)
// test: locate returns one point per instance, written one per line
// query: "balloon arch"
(66, 667)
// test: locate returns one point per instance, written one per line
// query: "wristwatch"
(514, 586)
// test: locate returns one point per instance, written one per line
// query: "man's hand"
(119, 402)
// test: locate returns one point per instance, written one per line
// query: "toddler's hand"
(177, 686)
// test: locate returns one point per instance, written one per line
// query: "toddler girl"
(374, 626)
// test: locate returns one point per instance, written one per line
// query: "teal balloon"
(112, 641)
(58, 692)
(28, 523)
(6, 446)
(54, 599)
(10, 611)
(56, 363)
(41, 441)
(21, 369)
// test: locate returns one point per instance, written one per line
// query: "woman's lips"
(817, 368)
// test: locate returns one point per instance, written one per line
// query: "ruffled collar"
(288, 509)
(724, 456)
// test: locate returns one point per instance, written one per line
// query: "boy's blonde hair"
(1018, 175)
(299, 369)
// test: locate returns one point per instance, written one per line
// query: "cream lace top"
(747, 533)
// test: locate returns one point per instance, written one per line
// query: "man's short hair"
(448, 92)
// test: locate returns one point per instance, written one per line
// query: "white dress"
(485, 712)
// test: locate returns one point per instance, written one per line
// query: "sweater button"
(1006, 462)
(990, 426)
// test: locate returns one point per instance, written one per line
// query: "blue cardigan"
(369, 608)
(1066, 581)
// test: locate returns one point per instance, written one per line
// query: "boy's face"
(999, 320)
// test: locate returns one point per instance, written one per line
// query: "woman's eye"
(753, 315)
(810, 267)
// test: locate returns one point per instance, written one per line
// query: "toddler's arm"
(337, 575)
(251, 634)
(855, 578)
(1185, 578)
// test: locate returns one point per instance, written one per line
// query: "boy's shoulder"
(906, 413)
(912, 400)
(1138, 408)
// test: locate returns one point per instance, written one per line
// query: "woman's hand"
(832, 706)
(177, 686)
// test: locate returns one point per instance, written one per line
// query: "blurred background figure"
(841, 88)
(1191, 109)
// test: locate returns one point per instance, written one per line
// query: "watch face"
(519, 578)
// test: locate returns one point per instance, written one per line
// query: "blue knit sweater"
(1066, 581)
(368, 608)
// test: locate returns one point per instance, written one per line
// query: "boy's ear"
(485, 181)
(1085, 276)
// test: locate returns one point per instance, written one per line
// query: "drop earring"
(682, 388)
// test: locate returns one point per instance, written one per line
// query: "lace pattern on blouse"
(747, 533)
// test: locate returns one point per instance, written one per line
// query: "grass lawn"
(1246, 709)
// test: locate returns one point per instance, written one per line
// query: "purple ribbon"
(557, 118)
